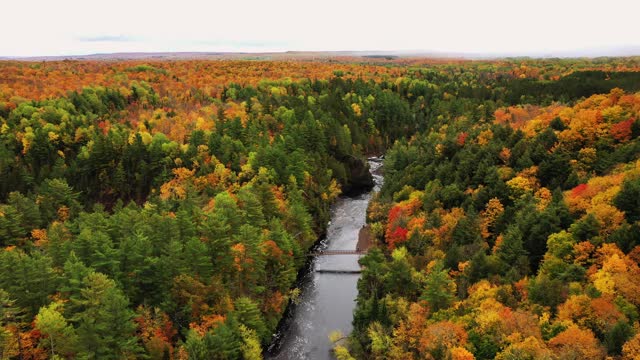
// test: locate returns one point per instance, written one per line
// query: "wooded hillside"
(162, 209)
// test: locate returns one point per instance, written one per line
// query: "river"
(327, 300)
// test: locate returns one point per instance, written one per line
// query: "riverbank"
(328, 286)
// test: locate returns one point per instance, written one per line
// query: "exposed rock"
(360, 179)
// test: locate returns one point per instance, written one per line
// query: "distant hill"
(317, 55)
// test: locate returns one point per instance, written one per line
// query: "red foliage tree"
(622, 130)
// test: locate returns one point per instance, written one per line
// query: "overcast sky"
(78, 27)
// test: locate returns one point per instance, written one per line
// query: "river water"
(327, 300)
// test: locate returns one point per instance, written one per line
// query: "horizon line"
(596, 52)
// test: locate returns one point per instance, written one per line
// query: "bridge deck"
(329, 271)
(338, 252)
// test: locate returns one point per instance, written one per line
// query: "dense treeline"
(194, 242)
(511, 238)
(572, 86)
(162, 210)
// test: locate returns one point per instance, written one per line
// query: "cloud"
(107, 38)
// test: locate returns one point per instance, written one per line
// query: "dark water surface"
(327, 300)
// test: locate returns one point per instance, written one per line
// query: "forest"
(163, 209)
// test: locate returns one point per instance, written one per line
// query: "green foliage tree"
(105, 326)
(59, 336)
(439, 289)
(627, 199)
(248, 314)
(30, 279)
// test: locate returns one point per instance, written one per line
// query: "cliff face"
(360, 179)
